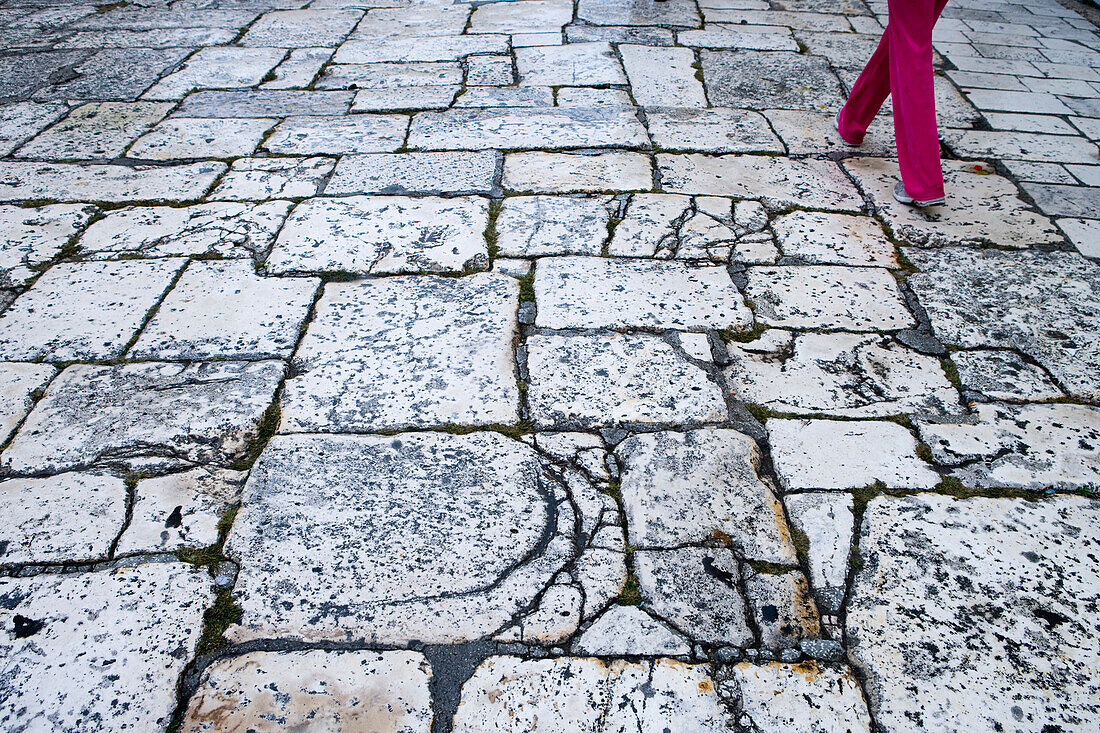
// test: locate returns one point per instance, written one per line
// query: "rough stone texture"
(97, 130)
(806, 132)
(560, 127)
(532, 226)
(1045, 304)
(827, 296)
(616, 379)
(601, 573)
(256, 179)
(181, 138)
(556, 618)
(834, 239)
(780, 80)
(222, 67)
(302, 28)
(386, 692)
(630, 631)
(21, 121)
(115, 183)
(1003, 375)
(782, 608)
(827, 521)
(149, 615)
(18, 385)
(145, 414)
(829, 454)
(573, 64)
(71, 517)
(662, 77)
(265, 103)
(404, 352)
(799, 698)
(673, 13)
(538, 172)
(715, 130)
(382, 235)
(595, 292)
(456, 526)
(330, 134)
(407, 173)
(32, 237)
(1012, 634)
(856, 375)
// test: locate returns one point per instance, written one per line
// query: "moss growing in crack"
(200, 556)
(527, 287)
(731, 335)
(905, 265)
(924, 452)
(491, 236)
(631, 594)
(614, 489)
(759, 412)
(268, 425)
(769, 568)
(224, 613)
(801, 544)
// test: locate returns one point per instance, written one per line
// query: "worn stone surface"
(630, 631)
(834, 239)
(181, 138)
(222, 67)
(573, 64)
(1003, 375)
(782, 607)
(21, 180)
(33, 237)
(1015, 625)
(715, 130)
(559, 127)
(826, 519)
(827, 296)
(555, 618)
(662, 77)
(777, 80)
(255, 179)
(18, 385)
(302, 28)
(411, 173)
(330, 134)
(97, 130)
(531, 226)
(21, 121)
(538, 172)
(799, 698)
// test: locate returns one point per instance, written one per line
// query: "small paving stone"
(670, 13)
(507, 97)
(696, 590)
(394, 78)
(532, 226)
(150, 615)
(590, 97)
(218, 67)
(264, 103)
(556, 618)
(86, 310)
(114, 183)
(715, 130)
(826, 520)
(328, 134)
(299, 69)
(33, 237)
(409, 173)
(560, 127)
(855, 375)
(489, 70)
(588, 695)
(662, 77)
(21, 121)
(71, 517)
(257, 179)
(524, 16)
(406, 49)
(1024, 588)
(834, 239)
(181, 138)
(800, 698)
(302, 28)
(18, 385)
(782, 607)
(144, 415)
(402, 352)
(827, 296)
(180, 510)
(616, 379)
(774, 80)
(831, 454)
(475, 547)
(713, 36)
(601, 573)
(629, 631)
(390, 691)
(1003, 375)
(1075, 201)
(595, 292)
(573, 64)
(97, 130)
(404, 98)
(538, 172)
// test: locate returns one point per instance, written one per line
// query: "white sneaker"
(903, 198)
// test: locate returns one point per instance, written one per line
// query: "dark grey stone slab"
(116, 73)
(775, 80)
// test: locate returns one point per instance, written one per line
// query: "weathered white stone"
(220, 229)
(71, 517)
(532, 226)
(265, 103)
(856, 375)
(299, 69)
(257, 179)
(456, 529)
(524, 16)
(673, 13)
(1003, 375)
(556, 618)
(616, 379)
(662, 77)
(507, 97)
(807, 132)
(629, 631)
(590, 97)
(379, 235)
(396, 80)
(831, 454)
(85, 310)
(828, 296)
(405, 49)
(834, 239)
(826, 520)
(1011, 632)
(328, 134)
(32, 237)
(714, 36)
(402, 352)
(781, 79)
(601, 573)
(556, 127)
(782, 607)
(1021, 145)
(96, 130)
(715, 130)
(218, 67)
(573, 64)
(588, 695)
(680, 488)
(696, 590)
(1084, 234)
(489, 70)
(18, 385)
(183, 137)
(260, 691)
(596, 292)
(21, 180)
(23, 120)
(981, 208)
(538, 172)
(290, 28)
(409, 173)
(145, 414)
(801, 698)
(778, 182)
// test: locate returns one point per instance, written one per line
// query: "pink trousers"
(901, 67)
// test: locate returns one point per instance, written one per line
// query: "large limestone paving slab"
(587, 695)
(429, 537)
(828, 296)
(84, 310)
(404, 79)
(1045, 304)
(834, 239)
(302, 28)
(265, 103)
(21, 180)
(386, 692)
(531, 226)
(257, 179)
(855, 375)
(673, 13)
(715, 130)
(616, 379)
(806, 132)
(21, 121)
(418, 49)
(778, 182)
(982, 207)
(798, 698)
(538, 172)
(99, 651)
(144, 415)
(571, 64)
(412, 173)
(180, 138)
(218, 67)
(18, 385)
(97, 130)
(407, 352)
(1009, 643)
(596, 292)
(382, 235)
(662, 77)
(560, 127)
(995, 374)
(338, 135)
(1022, 145)
(1037, 447)
(774, 80)
(33, 237)
(527, 16)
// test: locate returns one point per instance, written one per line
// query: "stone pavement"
(401, 365)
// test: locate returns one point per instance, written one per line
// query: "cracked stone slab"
(413, 81)
(772, 80)
(782, 607)
(571, 64)
(982, 207)
(114, 183)
(19, 383)
(1003, 375)
(833, 454)
(557, 127)
(602, 575)
(701, 485)
(412, 173)
(538, 172)
(525, 16)
(798, 698)
(299, 69)
(854, 375)
(71, 517)
(587, 695)
(224, 230)
(257, 179)
(150, 615)
(532, 226)
(218, 67)
(84, 310)
(715, 130)
(144, 415)
(418, 49)
(30, 238)
(670, 13)
(313, 688)
(556, 617)
(834, 239)
(616, 379)
(596, 292)
(338, 135)
(181, 138)
(296, 28)
(23, 120)
(662, 77)
(629, 631)
(382, 235)
(778, 182)
(1044, 304)
(407, 351)
(115, 74)
(807, 132)
(828, 296)
(97, 130)
(1037, 447)
(1013, 631)
(826, 520)
(465, 530)
(222, 309)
